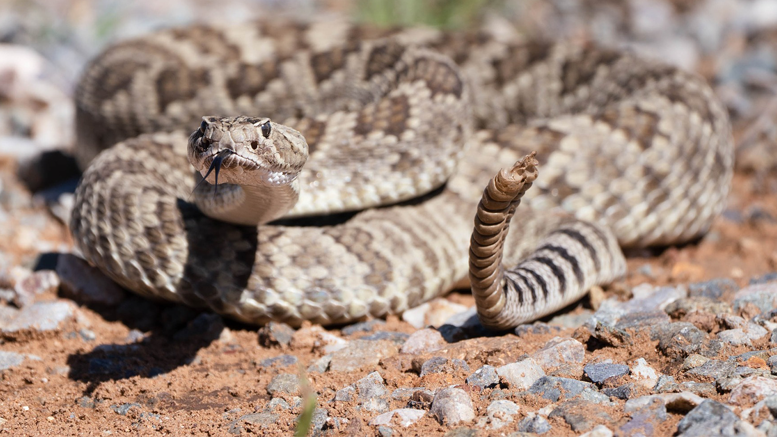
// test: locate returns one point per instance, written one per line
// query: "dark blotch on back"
(250, 80)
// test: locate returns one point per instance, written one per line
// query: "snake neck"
(247, 204)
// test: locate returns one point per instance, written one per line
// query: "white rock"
(598, 431)
(405, 416)
(423, 340)
(643, 374)
(753, 389)
(559, 351)
(499, 414)
(452, 406)
(520, 375)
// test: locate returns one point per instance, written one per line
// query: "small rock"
(275, 334)
(559, 351)
(361, 354)
(705, 389)
(536, 328)
(752, 390)
(499, 414)
(534, 424)
(714, 289)
(277, 403)
(384, 431)
(714, 369)
(580, 415)
(40, 282)
(367, 326)
(452, 406)
(123, 409)
(41, 317)
(680, 339)
(484, 377)
(422, 341)
(769, 277)
(86, 284)
(320, 365)
(405, 417)
(739, 336)
(345, 394)
(554, 389)
(280, 361)
(10, 359)
(320, 416)
(263, 419)
(675, 402)
(284, 383)
(693, 361)
(404, 393)
(520, 375)
(461, 432)
(709, 418)
(397, 338)
(764, 296)
(598, 431)
(443, 365)
(643, 374)
(646, 421)
(599, 373)
(622, 392)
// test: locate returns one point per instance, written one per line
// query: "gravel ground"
(685, 345)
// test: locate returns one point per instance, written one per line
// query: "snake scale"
(405, 128)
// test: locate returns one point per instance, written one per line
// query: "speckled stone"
(520, 375)
(559, 351)
(284, 383)
(484, 377)
(452, 406)
(361, 354)
(599, 373)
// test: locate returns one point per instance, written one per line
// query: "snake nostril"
(254, 144)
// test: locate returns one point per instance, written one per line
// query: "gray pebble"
(536, 328)
(599, 373)
(280, 361)
(555, 389)
(367, 326)
(452, 406)
(580, 415)
(41, 317)
(385, 431)
(275, 333)
(277, 403)
(461, 432)
(404, 416)
(86, 284)
(345, 394)
(645, 421)
(423, 340)
(761, 295)
(320, 415)
(484, 377)
(320, 365)
(534, 425)
(638, 320)
(283, 383)
(405, 393)
(715, 369)
(769, 277)
(443, 365)
(709, 418)
(10, 359)
(264, 419)
(680, 339)
(499, 414)
(714, 289)
(559, 351)
(397, 338)
(359, 354)
(123, 409)
(520, 375)
(621, 392)
(705, 389)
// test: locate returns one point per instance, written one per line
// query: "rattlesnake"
(637, 150)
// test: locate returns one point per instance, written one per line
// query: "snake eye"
(203, 126)
(266, 129)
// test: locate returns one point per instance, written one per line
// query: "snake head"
(247, 151)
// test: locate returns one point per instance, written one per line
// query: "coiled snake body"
(639, 152)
